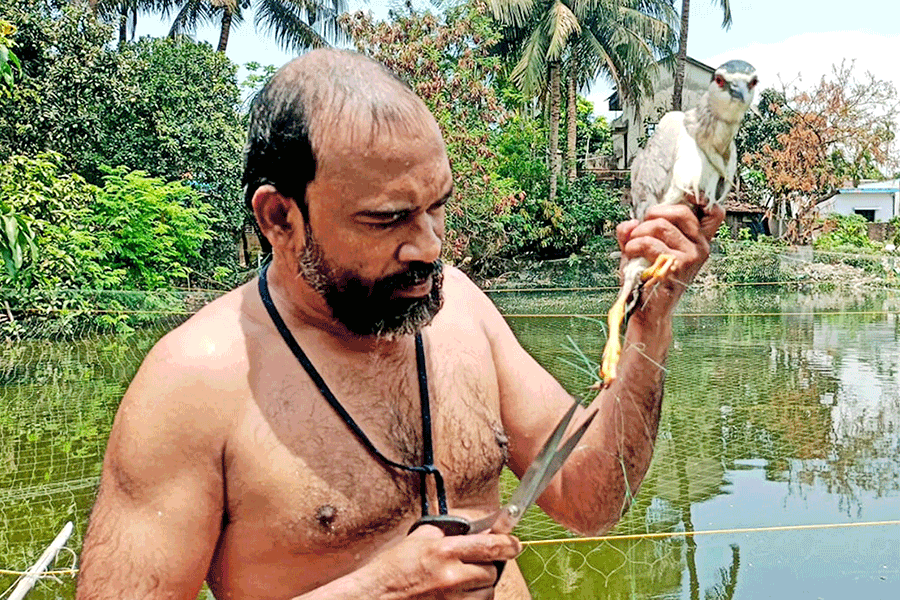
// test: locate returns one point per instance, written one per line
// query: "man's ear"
(278, 216)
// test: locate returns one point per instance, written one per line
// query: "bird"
(690, 158)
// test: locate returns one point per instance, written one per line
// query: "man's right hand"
(428, 564)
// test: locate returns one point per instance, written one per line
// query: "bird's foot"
(664, 266)
(613, 349)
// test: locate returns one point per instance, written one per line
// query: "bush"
(167, 107)
(844, 233)
(135, 232)
(747, 261)
(582, 211)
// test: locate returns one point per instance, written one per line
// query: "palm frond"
(530, 73)
(192, 13)
(298, 25)
(726, 14)
(512, 12)
(563, 25)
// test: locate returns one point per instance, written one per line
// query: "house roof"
(734, 206)
(873, 187)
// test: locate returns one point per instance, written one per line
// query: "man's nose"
(424, 241)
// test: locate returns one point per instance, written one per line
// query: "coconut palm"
(123, 13)
(620, 39)
(681, 58)
(296, 25)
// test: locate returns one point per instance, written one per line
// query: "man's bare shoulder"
(199, 362)
(463, 299)
(213, 333)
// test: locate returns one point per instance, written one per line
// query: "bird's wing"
(651, 172)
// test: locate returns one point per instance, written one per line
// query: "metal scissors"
(545, 465)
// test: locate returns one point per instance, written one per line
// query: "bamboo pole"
(32, 575)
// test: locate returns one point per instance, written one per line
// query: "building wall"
(630, 127)
(847, 203)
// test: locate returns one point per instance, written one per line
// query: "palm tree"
(124, 13)
(681, 58)
(618, 38)
(296, 25)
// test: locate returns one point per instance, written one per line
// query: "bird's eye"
(720, 81)
(753, 83)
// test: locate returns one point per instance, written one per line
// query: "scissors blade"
(536, 478)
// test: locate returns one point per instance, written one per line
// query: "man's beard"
(368, 308)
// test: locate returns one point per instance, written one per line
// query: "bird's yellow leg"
(665, 264)
(613, 349)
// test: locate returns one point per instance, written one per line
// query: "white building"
(637, 122)
(877, 201)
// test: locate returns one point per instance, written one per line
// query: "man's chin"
(401, 316)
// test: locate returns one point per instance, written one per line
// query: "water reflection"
(782, 409)
(775, 415)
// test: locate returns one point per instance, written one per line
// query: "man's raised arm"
(154, 526)
(601, 476)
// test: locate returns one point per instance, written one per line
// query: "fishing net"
(777, 465)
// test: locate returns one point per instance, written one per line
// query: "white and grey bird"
(691, 158)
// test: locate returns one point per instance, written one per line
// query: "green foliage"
(166, 107)
(583, 211)
(447, 61)
(592, 131)
(134, 232)
(154, 230)
(744, 260)
(521, 146)
(16, 240)
(844, 233)
(69, 252)
(8, 58)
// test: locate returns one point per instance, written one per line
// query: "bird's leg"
(613, 349)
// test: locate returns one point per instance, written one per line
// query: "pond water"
(776, 472)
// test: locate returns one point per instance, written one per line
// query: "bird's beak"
(739, 91)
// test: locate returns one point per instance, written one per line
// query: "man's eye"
(387, 219)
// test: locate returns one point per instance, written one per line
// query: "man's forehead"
(368, 121)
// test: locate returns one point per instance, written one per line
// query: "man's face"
(368, 307)
(376, 223)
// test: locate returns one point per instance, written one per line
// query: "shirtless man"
(227, 463)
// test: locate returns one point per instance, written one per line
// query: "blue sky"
(782, 38)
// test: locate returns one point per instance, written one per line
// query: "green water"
(782, 410)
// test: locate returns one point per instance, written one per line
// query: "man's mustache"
(417, 273)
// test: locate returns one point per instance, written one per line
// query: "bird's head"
(731, 90)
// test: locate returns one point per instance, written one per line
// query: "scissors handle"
(449, 524)
(452, 525)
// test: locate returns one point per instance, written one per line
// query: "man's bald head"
(311, 100)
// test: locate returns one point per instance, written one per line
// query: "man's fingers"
(711, 221)
(680, 216)
(623, 231)
(659, 236)
(468, 562)
(484, 547)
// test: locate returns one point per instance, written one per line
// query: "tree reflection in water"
(803, 393)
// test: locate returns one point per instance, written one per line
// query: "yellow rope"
(610, 538)
(717, 284)
(671, 534)
(113, 311)
(710, 314)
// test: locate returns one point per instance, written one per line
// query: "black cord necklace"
(428, 450)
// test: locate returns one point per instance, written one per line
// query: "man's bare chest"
(299, 474)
